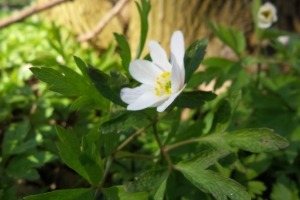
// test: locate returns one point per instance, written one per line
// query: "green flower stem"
(140, 131)
(164, 152)
(258, 55)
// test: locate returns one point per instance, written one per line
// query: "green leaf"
(194, 99)
(221, 63)
(144, 10)
(256, 188)
(122, 123)
(285, 189)
(118, 193)
(74, 194)
(224, 113)
(256, 140)
(160, 192)
(109, 87)
(91, 161)
(21, 166)
(256, 164)
(203, 160)
(9, 193)
(81, 65)
(193, 57)
(124, 52)
(14, 143)
(95, 135)
(84, 159)
(111, 142)
(46, 60)
(208, 181)
(147, 182)
(70, 83)
(232, 37)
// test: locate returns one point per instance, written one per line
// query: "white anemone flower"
(267, 15)
(161, 80)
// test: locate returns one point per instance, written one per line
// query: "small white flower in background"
(267, 15)
(161, 80)
(284, 39)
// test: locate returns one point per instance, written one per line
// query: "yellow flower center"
(163, 84)
(267, 14)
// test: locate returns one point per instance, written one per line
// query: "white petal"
(148, 99)
(159, 56)
(144, 71)
(130, 95)
(264, 25)
(176, 77)
(162, 107)
(177, 47)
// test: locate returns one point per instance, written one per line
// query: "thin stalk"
(164, 152)
(210, 137)
(178, 144)
(128, 140)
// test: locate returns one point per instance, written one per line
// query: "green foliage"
(193, 57)
(242, 144)
(84, 159)
(144, 10)
(75, 194)
(22, 166)
(118, 193)
(70, 83)
(256, 140)
(234, 38)
(149, 181)
(125, 53)
(208, 181)
(108, 86)
(122, 123)
(194, 99)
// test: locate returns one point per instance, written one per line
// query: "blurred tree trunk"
(165, 17)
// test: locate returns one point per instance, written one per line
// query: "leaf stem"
(128, 140)
(192, 140)
(178, 144)
(163, 150)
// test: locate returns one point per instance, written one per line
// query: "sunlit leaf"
(74, 194)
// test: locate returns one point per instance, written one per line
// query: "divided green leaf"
(70, 83)
(208, 181)
(85, 159)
